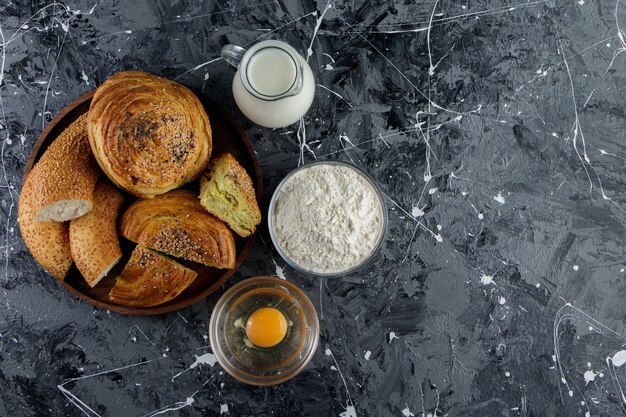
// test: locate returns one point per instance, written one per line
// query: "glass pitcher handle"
(233, 54)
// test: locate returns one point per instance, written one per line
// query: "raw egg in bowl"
(264, 331)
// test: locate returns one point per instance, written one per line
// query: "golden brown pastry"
(176, 224)
(48, 242)
(65, 175)
(93, 237)
(59, 187)
(150, 279)
(149, 135)
(226, 191)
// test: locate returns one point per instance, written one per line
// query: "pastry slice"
(176, 224)
(48, 242)
(226, 191)
(150, 279)
(93, 237)
(64, 178)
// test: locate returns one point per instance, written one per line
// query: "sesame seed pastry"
(93, 237)
(60, 186)
(149, 135)
(48, 242)
(149, 279)
(176, 224)
(64, 177)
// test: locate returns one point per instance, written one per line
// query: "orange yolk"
(266, 327)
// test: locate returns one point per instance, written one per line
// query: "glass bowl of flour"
(327, 218)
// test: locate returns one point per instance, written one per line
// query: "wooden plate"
(227, 136)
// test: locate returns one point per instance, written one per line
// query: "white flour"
(327, 218)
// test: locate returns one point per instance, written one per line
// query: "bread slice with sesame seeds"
(176, 224)
(58, 188)
(226, 191)
(94, 241)
(48, 242)
(63, 179)
(149, 279)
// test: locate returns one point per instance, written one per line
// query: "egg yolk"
(266, 327)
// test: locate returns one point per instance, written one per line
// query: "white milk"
(272, 72)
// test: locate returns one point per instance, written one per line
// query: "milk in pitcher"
(274, 85)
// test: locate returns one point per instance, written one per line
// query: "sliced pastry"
(226, 191)
(65, 175)
(48, 242)
(148, 134)
(176, 224)
(58, 188)
(150, 279)
(93, 237)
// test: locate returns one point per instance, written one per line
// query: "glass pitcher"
(274, 85)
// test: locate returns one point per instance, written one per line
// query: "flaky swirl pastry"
(176, 224)
(150, 279)
(148, 134)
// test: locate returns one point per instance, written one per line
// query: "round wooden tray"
(227, 137)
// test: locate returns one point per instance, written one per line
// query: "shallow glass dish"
(377, 247)
(255, 365)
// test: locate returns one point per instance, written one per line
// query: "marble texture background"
(497, 131)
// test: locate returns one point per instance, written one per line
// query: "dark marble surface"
(496, 130)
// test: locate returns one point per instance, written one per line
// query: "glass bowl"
(255, 365)
(375, 250)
